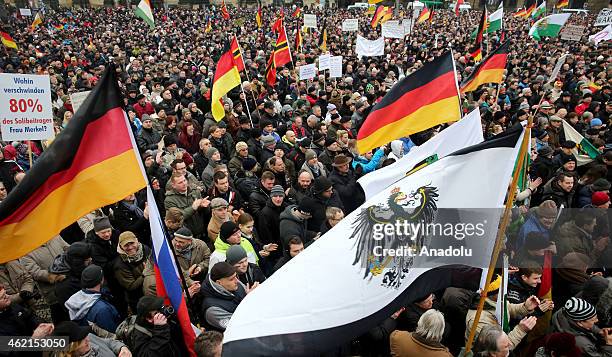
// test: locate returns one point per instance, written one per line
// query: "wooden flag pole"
(500, 234)
(30, 152)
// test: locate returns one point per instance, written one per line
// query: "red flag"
(458, 7)
(282, 56)
(224, 11)
(235, 47)
(271, 71)
(277, 25)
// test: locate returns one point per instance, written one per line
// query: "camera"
(166, 310)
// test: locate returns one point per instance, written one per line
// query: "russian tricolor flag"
(166, 274)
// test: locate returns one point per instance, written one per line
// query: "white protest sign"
(25, 12)
(572, 32)
(310, 20)
(308, 71)
(604, 18)
(603, 35)
(407, 24)
(557, 69)
(335, 67)
(324, 62)
(350, 25)
(365, 47)
(77, 99)
(392, 29)
(25, 107)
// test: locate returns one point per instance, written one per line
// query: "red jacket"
(147, 109)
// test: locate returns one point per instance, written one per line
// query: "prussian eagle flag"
(167, 278)
(352, 278)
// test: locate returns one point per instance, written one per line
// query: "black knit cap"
(221, 270)
(321, 184)
(227, 229)
(74, 331)
(147, 304)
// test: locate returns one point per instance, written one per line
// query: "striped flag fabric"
(366, 288)
(519, 13)
(37, 21)
(476, 51)
(549, 26)
(271, 71)
(490, 70)
(167, 278)
(544, 292)
(458, 7)
(381, 15)
(539, 11)
(466, 132)
(258, 18)
(297, 12)
(208, 26)
(424, 15)
(494, 22)
(226, 78)
(374, 2)
(83, 169)
(145, 12)
(224, 11)
(281, 54)
(298, 40)
(585, 151)
(277, 25)
(235, 47)
(561, 4)
(426, 98)
(530, 7)
(7, 40)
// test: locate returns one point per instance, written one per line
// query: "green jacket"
(193, 219)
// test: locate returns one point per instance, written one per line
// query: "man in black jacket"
(222, 293)
(149, 138)
(154, 334)
(324, 197)
(345, 184)
(258, 198)
(71, 265)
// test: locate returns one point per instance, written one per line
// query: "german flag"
(323, 40)
(561, 4)
(258, 18)
(490, 70)
(7, 40)
(297, 13)
(520, 13)
(426, 98)
(381, 15)
(224, 11)
(84, 169)
(58, 27)
(281, 54)
(237, 54)
(271, 71)
(226, 78)
(424, 15)
(37, 21)
(476, 51)
(530, 7)
(298, 40)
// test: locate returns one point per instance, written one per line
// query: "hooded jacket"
(588, 341)
(221, 247)
(291, 225)
(219, 304)
(87, 305)
(368, 165)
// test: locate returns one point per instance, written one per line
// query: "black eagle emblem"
(419, 206)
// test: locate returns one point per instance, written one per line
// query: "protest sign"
(310, 20)
(604, 18)
(77, 99)
(572, 32)
(335, 67)
(25, 12)
(367, 47)
(308, 71)
(350, 25)
(392, 29)
(324, 62)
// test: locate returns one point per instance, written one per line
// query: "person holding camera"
(156, 333)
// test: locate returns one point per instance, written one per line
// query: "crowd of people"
(242, 196)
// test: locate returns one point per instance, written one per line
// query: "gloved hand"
(26, 295)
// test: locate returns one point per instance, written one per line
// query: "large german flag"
(282, 55)
(424, 99)
(382, 14)
(237, 54)
(226, 79)
(424, 15)
(490, 70)
(530, 6)
(7, 40)
(476, 51)
(92, 163)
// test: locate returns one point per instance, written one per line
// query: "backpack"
(125, 331)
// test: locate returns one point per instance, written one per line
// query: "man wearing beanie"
(585, 193)
(578, 318)
(297, 154)
(293, 222)
(193, 254)
(242, 152)
(329, 153)
(312, 165)
(70, 264)
(91, 304)
(229, 235)
(154, 333)
(248, 273)
(345, 184)
(268, 220)
(214, 159)
(222, 293)
(324, 197)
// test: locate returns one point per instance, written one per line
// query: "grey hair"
(431, 326)
(486, 344)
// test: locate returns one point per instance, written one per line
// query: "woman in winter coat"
(425, 341)
(129, 265)
(189, 138)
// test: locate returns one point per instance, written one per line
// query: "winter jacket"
(350, 192)
(148, 139)
(14, 278)
(129, 275)
(158, 341)
(192, 218)
(104, 347)
(572, 238)
(218, 255)
(235, 164)
(246, 184)
(589, 341)
(103, 253)
(405, 344)
(322, 170)
(488, 318)
(291, 225)
(318, 214)
(252, 275)
(124, 219)
(553, 192)
(257, 200)
(532, 224)
(368, 165)
(38, 262)
(219, 304)
(17, 321)
(327, 159)
(583, 196)
(92, 306)
(200, 256)
(268, 222)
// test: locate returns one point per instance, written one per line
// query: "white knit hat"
(579, 310)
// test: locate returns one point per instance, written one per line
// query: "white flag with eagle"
(357, 275)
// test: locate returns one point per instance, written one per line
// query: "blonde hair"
(339, 134)
(70, 352)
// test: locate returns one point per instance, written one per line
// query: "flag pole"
(500, 234)
(30, 152)
(246, 74)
